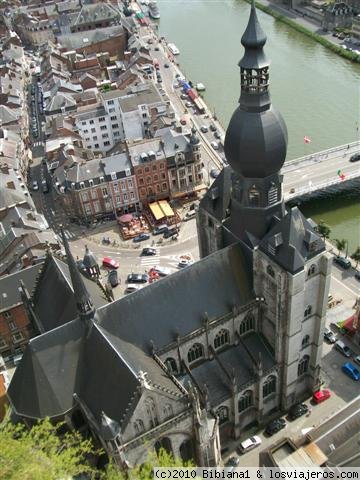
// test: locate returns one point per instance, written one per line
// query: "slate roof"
(213, 285)
(291, 238)
(73, 41)
(210, 373)
(9, 285)
(217, 198)
(8, 115)
(54, 303)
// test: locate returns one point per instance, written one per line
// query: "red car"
(110, 263)
(321, 395)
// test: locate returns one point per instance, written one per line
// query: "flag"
(307, 139)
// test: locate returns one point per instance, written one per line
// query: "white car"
(215, 145)
(184, 263)
(163, 271)
(133, 287)
(190, 214)
(249, 444)
(35, 186)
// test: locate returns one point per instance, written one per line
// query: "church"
(234, 340)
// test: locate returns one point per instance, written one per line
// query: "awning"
(126, 218)
(165, 207)
(156, 211)
(351, 323)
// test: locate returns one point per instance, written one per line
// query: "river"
(316, 91)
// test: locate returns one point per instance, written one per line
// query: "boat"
(173, 49)
(154, 10)
(200, 87)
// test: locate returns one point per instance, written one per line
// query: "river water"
(316, 91)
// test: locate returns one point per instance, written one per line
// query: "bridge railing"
(314, 187)
(312, 156)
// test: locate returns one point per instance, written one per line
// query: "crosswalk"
(38, 144)
(150, 261)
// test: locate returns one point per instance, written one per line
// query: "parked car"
(321, 395)
(110, 263)
(357, 276)
(132, 287)
(163, 271)
(183, 121)
(160, 229)
(217, 135)
(183, 96)
(148, 251)
(137, 278)
(113, 278)
(212, 127)
(214, 173)
(171, 232)
(204, 128)
(351, 371)
(343, 262)
(215, 145)
(329, 335)
(188, 104)
(355, 157)
(35, 186)
(184, 263)
(298, 410)
(357, 359)
(342, 348)
(275, 426)
(141, 237)
(232, 462)
(44, 186)
(190, 214)
(166, 65)
(249, 444)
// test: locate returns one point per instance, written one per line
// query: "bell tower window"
(272, 195)
(255, 80)
(254, 197)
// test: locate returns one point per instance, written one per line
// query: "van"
(160, 229)
(342, 348)
(44, 186)
(190, 214)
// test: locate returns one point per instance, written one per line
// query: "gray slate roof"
(9, 285)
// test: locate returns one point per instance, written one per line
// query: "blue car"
(141, 237)
(351, 371)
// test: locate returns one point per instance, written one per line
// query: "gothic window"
(307, 311)
(222, 338)
(195, 352)
(272, 195)
(151, 412)
(223, 414)
(168, 410)
(245, 401)
(303, 365)
(270, 271)
(247, 324)
(254, 197)
(171, 365)
(311, 270)
(139, 427)
(305, 341)
(269, 386)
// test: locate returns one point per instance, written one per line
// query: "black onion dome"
(256, 143)
(89, 259)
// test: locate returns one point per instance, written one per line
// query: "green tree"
(324, 229)
(40, 453)
(340, 244)
(356, 256)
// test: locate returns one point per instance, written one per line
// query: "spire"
(83, 301)
(254, 36)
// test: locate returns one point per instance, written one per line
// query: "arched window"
(171, 365)
(269, 386)
(222, 338)
(307, 311)
(303, 365)
(254, 196)
(195, 352)
(305, 341)
(312, 270)
(272, 195)
(168, 410)
(151, 412)
(245, 401)
(139, 427)
(247, 324)
(270, 271)
(223, 414)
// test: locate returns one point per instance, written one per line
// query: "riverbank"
(294, 20)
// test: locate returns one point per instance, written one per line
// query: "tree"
(324, 230)
(41, 453)
(340, 244)
(356, 256)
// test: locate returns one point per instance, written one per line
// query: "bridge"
(318, 172)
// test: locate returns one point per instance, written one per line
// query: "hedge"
(354, 57)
